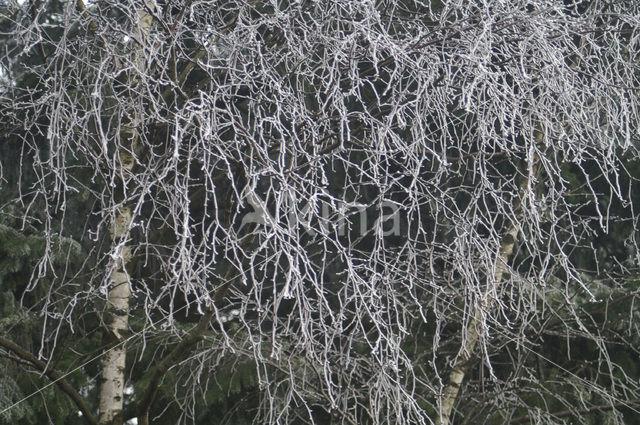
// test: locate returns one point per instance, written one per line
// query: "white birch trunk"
(113, 364)
(469, 344)
(459, 371)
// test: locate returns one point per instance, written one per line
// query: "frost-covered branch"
(358, 164)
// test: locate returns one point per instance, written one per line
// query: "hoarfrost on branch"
(267, 133)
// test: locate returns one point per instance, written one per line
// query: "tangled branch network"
(399, 186)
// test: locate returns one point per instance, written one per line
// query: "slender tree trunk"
(117, 317)
(117, 322)
(117, 310)
(469, 344)
(459, 371)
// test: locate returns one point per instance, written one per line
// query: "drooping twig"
(461, 366)
(194, 336)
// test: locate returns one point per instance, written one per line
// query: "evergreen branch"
(53, 375)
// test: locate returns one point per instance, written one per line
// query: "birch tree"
(383, 209)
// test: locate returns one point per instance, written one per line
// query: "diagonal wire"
(94, 358)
